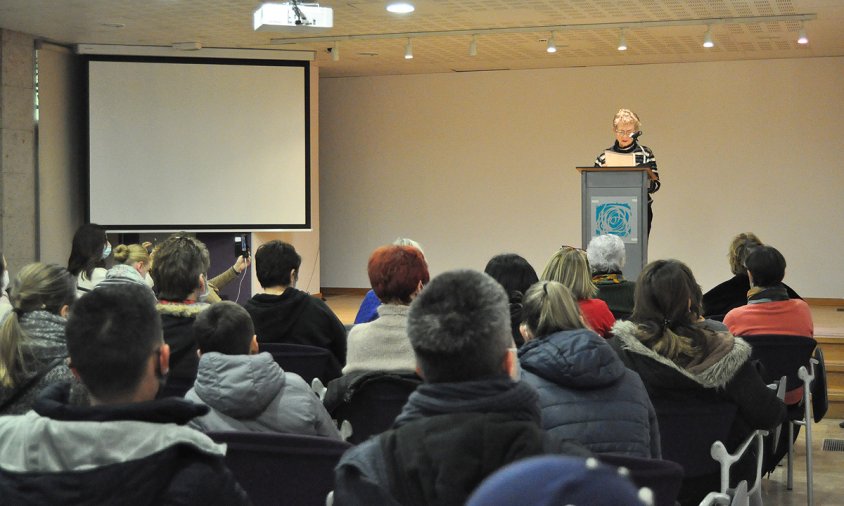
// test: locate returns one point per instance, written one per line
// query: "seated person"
(769, 309)
(88, 255)
(570, 267)
(732, 293)
(516, 275)
(246, 390)
(283, 314)
(679, 358)
(126, 448)
(469, 417)
(33, 349)
(585, 392)
(368, 309)
(131, 265)
(179, 270)
(606, 257)
(397, 275)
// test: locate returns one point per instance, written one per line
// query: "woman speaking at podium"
(627, 128)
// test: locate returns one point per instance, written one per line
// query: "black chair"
(282, 469)
(371, 401)
(688, 428)
(793, 359)
(309, 362)
(663, 477)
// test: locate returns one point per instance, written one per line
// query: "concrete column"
(18, 186)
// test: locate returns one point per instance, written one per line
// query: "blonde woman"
(33, 350)
(570, 267)
(585, 391)
(131, 265)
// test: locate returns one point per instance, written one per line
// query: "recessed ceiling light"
(401, 8)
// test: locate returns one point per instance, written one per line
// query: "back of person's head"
(662, 307)
(404, 241)
(552, 480)
(606, 253)
(37, 287)
(88, 249)
(513, 272)
(275, 262)
(459, 327)
(741, 244)
(112, 333)
(570, 267)
(766, 265)
(395, 273)
(131, 254)
(225, 328)
(626, 117)
(548, 307)
(178, 263)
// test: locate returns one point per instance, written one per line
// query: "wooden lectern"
(614, 201)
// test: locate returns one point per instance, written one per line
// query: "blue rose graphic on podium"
(613, 218)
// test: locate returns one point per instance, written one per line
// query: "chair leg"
(789, 484)
(810, 494)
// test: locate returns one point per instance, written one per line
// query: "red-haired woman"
(397, 274)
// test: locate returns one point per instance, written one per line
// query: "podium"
(614, 201)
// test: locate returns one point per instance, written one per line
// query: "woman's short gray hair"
(606, 253)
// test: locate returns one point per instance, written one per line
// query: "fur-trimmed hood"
(628, 333)
(181, 310)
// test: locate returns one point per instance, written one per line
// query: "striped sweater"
(644, 156)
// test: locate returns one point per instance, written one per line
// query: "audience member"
(516, 275)
(368, 309)
(88, 254)
(179, 270)
(678, 358)
(570, 267)
(126, 448)
(131, 266)
(283, 314)
(606, 257)
(397, 275)
(5, 305)
(769, 309)
(732, 293)
(33, 350)
(554, 481)
(585, 391)
(468, 418)
(246, 390)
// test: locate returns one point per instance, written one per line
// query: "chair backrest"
(282, 469)
(820, 397)
(372, 403)
(687, 429)
(781, 355)
(663, 477)
(309, 362)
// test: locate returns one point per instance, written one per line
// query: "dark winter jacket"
(731, 294)
(298, 318)
(130, 454)
(177, 323)
(587, 394)
(449, 437)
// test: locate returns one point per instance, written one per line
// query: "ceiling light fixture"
(401, 8)
(802, 38)
(408, 50)
(707, 38)
(622, 42)
(473, 46)
(335, 51)
(552, 44)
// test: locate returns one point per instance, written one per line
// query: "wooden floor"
(828, 465)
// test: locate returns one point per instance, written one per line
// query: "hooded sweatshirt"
(586, 394)
(296, 317)
(251, 393)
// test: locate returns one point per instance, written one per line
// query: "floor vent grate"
(833, 445)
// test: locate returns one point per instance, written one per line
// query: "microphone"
(635, 135)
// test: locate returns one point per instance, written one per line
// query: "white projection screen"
(198, 144)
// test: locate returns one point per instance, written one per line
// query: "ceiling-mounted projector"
(276, 17)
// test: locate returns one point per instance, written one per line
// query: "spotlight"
(400, 8)
(335, 51)
(622, 42)
(802, 38)
(408, 50)
(552, 45)
(473, 46)
(707, 38)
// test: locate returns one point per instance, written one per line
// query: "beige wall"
(475, 164)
